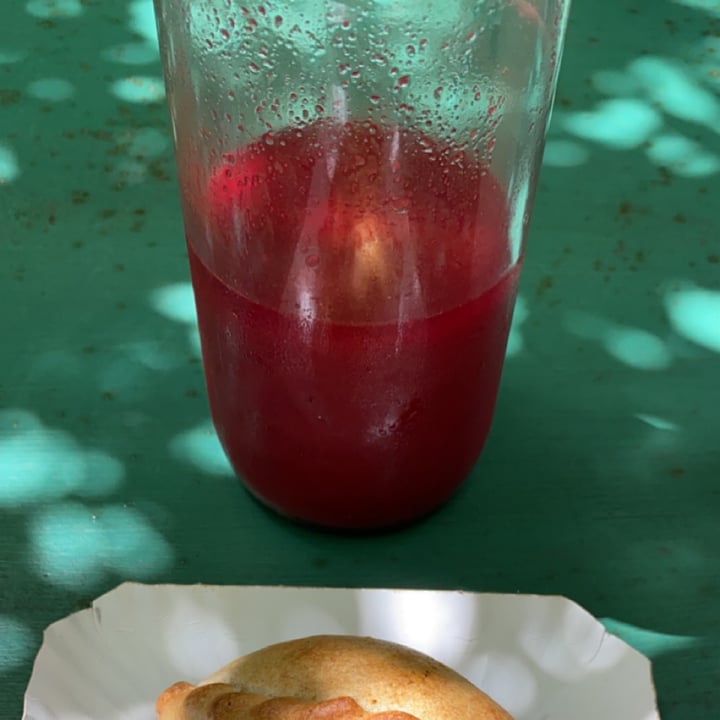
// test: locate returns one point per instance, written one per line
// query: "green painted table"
(601, 480)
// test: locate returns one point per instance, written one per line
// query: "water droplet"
(438, 92)
(225, 34)
(262, 10)
(253, 67)
(470, 36)
(209, 43)
(410, 50)
(374, 99)
(278, 20)
(403, 81)
(312, 261)
(355, 74)
(319, 109)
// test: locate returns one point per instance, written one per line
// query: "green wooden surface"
(601, 480)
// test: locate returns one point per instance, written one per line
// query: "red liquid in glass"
(354, 296)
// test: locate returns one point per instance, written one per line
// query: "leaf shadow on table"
(625, 523)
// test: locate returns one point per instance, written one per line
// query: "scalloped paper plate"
(543, 658)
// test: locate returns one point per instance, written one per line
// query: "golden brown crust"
(331, 677)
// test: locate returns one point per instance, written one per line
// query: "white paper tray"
(543, 658)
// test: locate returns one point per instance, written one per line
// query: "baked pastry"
(331, 677)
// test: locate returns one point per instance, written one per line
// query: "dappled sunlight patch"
(51, 89)
(649, 642)
(694, 314)
(148, 143)
(194, 342)
(634, 347)
(77, 546)
(682, 156)
(40, 464)
(9, 167)
(200, 447)
(658, 423)
(403, 618)
(142, 21)
(512, 680)
(516, 341)
(197, 638)
(10, 56)
(670, 84)
(16, 643)
(565, 153)
(645, 94)
(139, 89)
(130, 172)
(616, 83)
(135, 53)
(622, 123)
(711, 7)
(560, 641)
(175, 302)
(132, 362)
(54, 9)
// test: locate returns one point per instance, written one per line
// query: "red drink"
(354, 293)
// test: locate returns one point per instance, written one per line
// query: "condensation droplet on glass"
(231, 95)
(262, 10)
(209, 43)
(410, 50)
(438, 92)
(253, 67)
(312, 261)
(355, 74)
(319, 109)
(470, 36)
(394, 71)
(225, 34)
(403, 81)
(374, 99)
